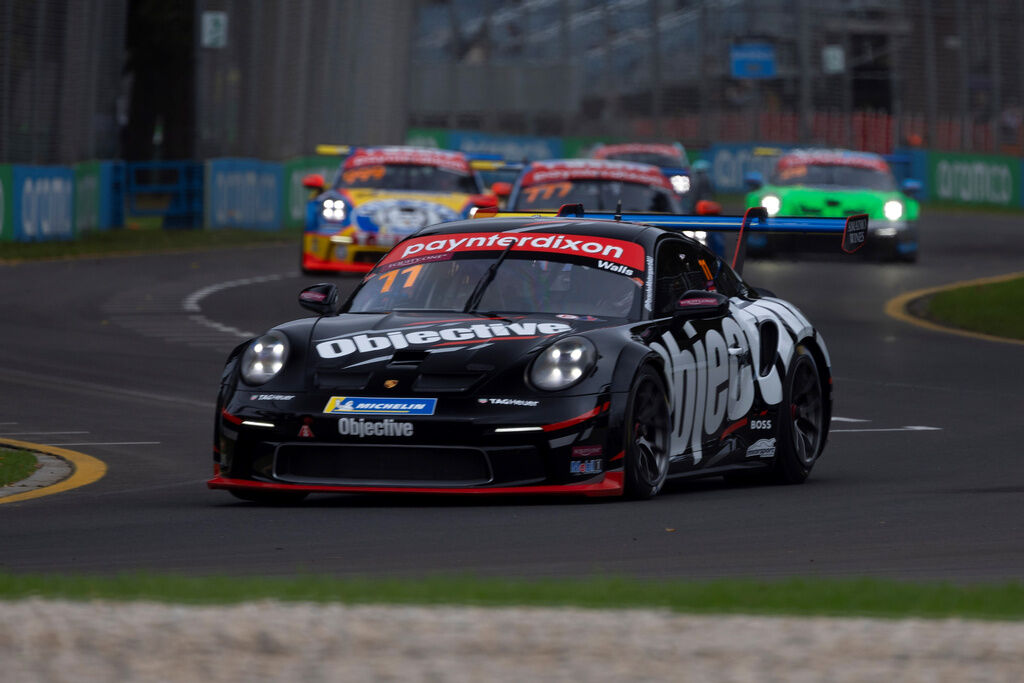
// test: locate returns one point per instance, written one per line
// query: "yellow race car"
(380, 196)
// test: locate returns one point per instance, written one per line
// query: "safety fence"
(61, 202)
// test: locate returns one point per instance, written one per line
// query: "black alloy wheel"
(802, 427)
(647, 435)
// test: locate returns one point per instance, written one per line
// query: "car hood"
(430, 352)
(398, 214)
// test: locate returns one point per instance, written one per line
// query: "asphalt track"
(119, 359)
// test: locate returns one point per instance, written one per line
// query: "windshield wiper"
(478, 292)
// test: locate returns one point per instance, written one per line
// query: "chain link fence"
(274, 78)
(60, 80)
(858, 73)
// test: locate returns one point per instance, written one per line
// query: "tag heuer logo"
(390, 384)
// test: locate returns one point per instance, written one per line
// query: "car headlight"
(893, 210)
(680, 183)
(333, 210)
(264, 358)
(563, 364)
(771, 204)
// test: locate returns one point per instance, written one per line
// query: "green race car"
(835, 184)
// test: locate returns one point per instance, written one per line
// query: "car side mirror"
(501, 188)
(753, 180)
(314, 181)
(484, 201)
(321, 298)
(706, 207)
(699, 303)
(911, 187)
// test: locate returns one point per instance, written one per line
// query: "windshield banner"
(440, 247)
(594, 169)
(374, 156)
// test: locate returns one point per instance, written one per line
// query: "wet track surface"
(120, 358)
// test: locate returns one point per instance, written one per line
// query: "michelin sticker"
(346, 405)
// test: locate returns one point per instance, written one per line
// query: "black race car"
(579, 353)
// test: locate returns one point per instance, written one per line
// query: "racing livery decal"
(365, 405)
(711, 376)
(605, 249)
(399, 339)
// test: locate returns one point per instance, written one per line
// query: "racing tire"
(802, 428)
(269, 497)
(647, 428)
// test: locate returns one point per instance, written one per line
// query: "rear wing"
(852, 229)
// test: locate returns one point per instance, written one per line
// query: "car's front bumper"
(567, 445)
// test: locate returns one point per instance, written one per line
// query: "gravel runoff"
(43, 640)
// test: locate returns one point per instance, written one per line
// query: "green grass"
(133, 241)
(15, 465)
(824, 597)
(993, 309)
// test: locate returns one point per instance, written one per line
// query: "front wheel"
(802, 427)
(647, 432)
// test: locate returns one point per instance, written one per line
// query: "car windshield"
(834, 175)
(407, 177)
(524, 282)
(652, 158)
(596, 195)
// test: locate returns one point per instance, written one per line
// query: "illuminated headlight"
(893, 210)
(264, 358)
(563, 364)
(884, 232)
(333, 210)
(680, 183)
(771, 204)
(698, 235)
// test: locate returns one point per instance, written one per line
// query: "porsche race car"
(585, 353)
(380, 196)
(837, 183)
(691, 182)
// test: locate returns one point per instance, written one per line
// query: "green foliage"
(15, 465)
(996, 309)
(796, 596)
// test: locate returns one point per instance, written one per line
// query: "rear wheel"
(647, 431)
(801, 433)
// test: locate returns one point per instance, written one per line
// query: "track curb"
(83, 469)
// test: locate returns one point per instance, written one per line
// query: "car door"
(702, 348)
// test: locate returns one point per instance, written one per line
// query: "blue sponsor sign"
(244, 193)
(42, 205)
(753, 60)
(370, 405)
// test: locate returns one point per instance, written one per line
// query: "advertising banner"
(427, 137)
(99, 195)
(6, 210)
(295, 195)
(243, 193)
(730, 163)
(42, 203)
(974, 179)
